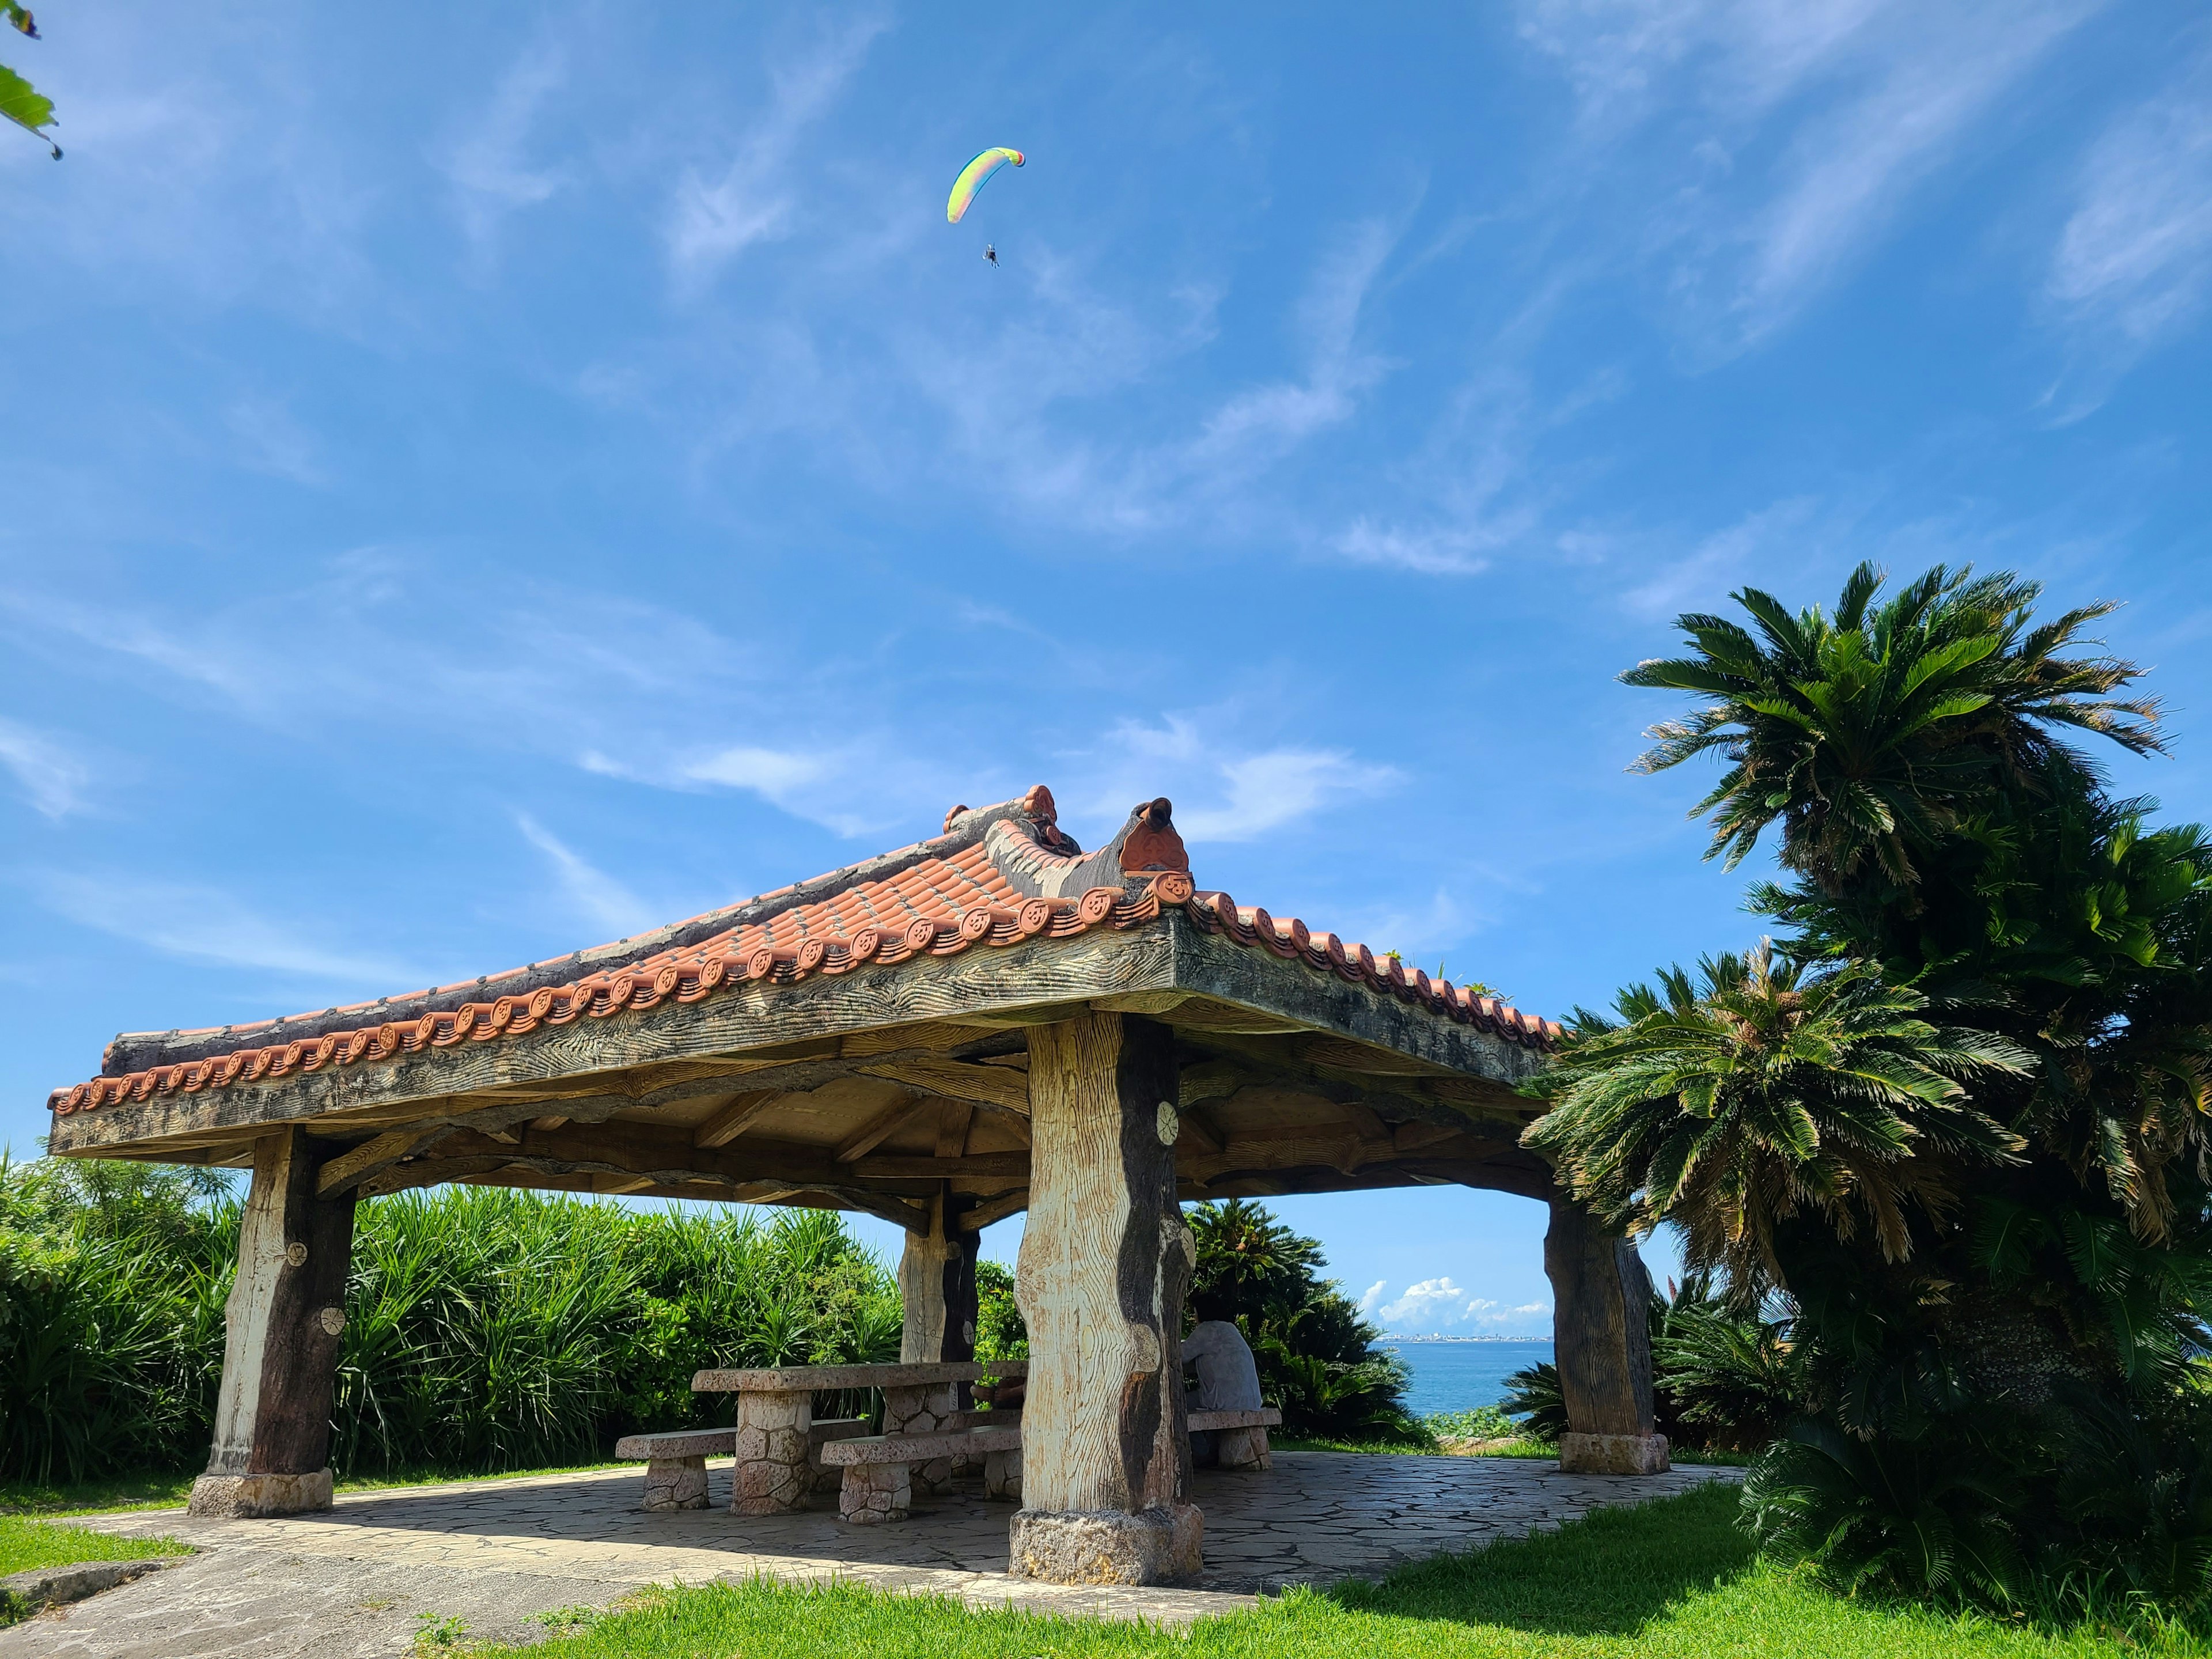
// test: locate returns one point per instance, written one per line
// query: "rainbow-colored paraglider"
(974, 176)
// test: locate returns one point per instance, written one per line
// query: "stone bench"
(878, 1484)
(676, 1460)
(1240, 1437)
(774, 1406)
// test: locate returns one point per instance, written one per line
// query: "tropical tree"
(1957, 1114)
(20, 101)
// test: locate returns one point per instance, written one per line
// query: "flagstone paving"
(356, 1579)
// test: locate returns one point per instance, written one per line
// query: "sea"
(1457, 1376)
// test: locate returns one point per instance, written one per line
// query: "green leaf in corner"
(21, 105)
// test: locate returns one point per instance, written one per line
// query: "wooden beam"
(1366, 1059)
(1209, 1080)
(936, 1036)
(953, 1120)
(1411, 1137)
(978, 1217)
(1015, 1164)
(885, 1123)
(1363, 1118)
(726, 1125)
(1017, 1122)
(1201, 1128)
(350, 1169)
(547, 1123)
(996, 1086)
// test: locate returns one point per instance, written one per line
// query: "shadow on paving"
(1611, 1574)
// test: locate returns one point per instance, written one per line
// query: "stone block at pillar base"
(1107, 1547)
(1613, 1454)
(246, 1497)
(676, 1483)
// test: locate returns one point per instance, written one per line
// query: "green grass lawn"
(27, 1544)
(1670, 1580)
(169, 1492)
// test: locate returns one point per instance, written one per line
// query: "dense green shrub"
(486, 1329)
(1315, 1354)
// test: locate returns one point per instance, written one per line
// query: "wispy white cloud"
(1778, 536)
(1262, 424)
(2134, 263)
(1786, 138)
(597, 896)
(1372, 1296)
(711, 222)
(490, 168)
(52, 778)
(270, 440)
(1226, 792)
(209, 924)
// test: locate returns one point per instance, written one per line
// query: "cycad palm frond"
(1859, 734)
(1763, 1090)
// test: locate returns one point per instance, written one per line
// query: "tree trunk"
(1105, 1260)
(282, 1326)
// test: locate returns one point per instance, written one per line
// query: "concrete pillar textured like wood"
(283, 1328)
(937, 1300)
(1602, 1346)
(1105, 1259)
(937, 1296)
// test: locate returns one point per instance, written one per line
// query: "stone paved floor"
(352, 1581)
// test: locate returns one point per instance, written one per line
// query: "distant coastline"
(1437, 1336)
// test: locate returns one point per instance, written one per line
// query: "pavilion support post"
(936, 1298)
(937, 1294)
(282, 1326)
(1603, 1345)
(1105, 1260)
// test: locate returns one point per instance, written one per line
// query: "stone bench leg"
(873, 1492)
(1245, 1448)
(676, 1483)
(1002, 1475)
(925, 1411)
(771, 1477)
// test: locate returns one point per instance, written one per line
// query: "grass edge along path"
(1671, 1579)
(27, 1544)
(122, 1496)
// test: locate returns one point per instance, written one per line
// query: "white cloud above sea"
(1433, 1305)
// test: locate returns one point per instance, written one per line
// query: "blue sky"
(480, 482)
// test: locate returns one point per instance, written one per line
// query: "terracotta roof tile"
(997, 877)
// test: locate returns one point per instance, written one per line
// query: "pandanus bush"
(486, 1329)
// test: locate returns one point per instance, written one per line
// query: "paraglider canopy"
(973, 177)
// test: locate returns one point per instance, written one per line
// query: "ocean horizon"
(1458, 1374)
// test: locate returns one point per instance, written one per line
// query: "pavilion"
(988, 1021)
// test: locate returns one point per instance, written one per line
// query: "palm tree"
(1764, 1090)
(1861, 733)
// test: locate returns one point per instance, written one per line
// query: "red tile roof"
(996, 877)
